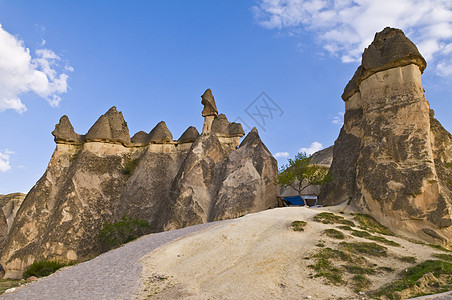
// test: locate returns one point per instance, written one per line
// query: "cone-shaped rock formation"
(109, 127)
(189, 136)
(167, 183)
(392, 157)
(160, 134)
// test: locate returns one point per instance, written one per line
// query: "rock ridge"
(105, 175)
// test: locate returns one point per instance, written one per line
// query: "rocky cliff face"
(9, 205)
(104, 175)
(392, 158)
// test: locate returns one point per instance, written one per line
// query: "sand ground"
(259, 256)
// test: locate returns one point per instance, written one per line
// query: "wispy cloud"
(282, 154)
(338, 120)
(21, 73)
(345, 27)
(316, 146)
(4, 160)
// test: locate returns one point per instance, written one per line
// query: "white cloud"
(346, 27)
(338, 120)
(282, 154)
(4, 160)
(316, 146)
(21, 73)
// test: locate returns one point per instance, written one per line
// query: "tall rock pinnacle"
(210, 108)
(392, 157)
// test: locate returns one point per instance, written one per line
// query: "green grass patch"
(438, 247)
(330, 218)
(411, 277)
(442, 256)
(333, 233)
(324, 268)
(7, 284)
(408, 259)
(127, 229)
(359, 233)
(354, 269)
(45, 268)
(369, 223)
(321, 245)
(298, 225)
(386, 269)
(360, 282)
(364, 248)
(366, 235)
(345, 227)
(130, 166)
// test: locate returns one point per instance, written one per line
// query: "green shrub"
(45, 267)
(130, 166)
(113, 235)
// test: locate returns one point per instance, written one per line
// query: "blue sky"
(153, 60)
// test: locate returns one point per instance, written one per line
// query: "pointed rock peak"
(389, 49)
(220, 125)
(160, 134)
(210, 108)
(112, 110)
(235, 129)
(64, 132)
(110, 127)
(251, 139)
(189, 136)
(140, 138)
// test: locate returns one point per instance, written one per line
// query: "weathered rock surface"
(210, 107)
(160, 134)
(217, 182)
(392, 158)
(64, 132)
(151, 177)
(9, 205)
(109, 127)
(189, 136)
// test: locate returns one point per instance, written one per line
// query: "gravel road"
(112, 275)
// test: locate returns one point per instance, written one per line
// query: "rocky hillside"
(393, 159)
(105, 175)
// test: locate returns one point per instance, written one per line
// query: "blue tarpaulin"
(294, 200)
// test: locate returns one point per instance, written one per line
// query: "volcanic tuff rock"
(107, 175)
(392, 158)
(239, 181)
(189, 136)
(9, 205)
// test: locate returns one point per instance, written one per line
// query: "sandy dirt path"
(112, 275)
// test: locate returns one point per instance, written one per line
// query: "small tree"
(300, 173)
